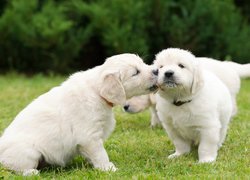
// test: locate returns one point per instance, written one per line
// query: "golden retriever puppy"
(76, 117)
(193, 105)
(139, 103)
(228, 72)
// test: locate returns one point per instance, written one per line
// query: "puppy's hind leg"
(223, 133)
(224, 119)
(21, 159)
(235, 108)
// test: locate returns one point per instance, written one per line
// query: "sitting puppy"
(75, 117)
(193, 105)
(139, 103)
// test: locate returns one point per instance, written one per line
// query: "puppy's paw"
(107, 167)
(155, 122)
(111, 167)
(207, 160)
(174, 155)
(30, 172)
(154, 126)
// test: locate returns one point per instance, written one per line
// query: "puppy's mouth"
(170, 84)
(153, 88)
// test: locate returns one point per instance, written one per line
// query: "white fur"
(75, 117)
(202, 121)
(228, 72)
(243, 70)
(139, 103)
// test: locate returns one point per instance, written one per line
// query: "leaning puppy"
(75, 117)
(193, 105)
(139, 103)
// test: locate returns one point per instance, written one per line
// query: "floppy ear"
(197, 82)
(112, 89)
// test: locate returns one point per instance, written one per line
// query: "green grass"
(138, 151)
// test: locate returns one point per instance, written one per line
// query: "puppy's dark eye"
(181, 66)
(161, 67)
(136, 73)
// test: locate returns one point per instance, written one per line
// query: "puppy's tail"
(243, 70)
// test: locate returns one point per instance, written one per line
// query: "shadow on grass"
(77, 163)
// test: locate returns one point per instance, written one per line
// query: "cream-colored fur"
(193, 104)
(75, 117)
(228, 72)
(139, 103)
(243, 70)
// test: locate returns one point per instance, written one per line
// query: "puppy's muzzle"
(154, 87)
(126, 107)
(169, 79)
(169, 74)
(155, 72)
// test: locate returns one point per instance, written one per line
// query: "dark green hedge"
(67, 35)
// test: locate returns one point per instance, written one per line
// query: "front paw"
(155, 123)
(31, 172)
(153, 126)
(107, 167)
(174, 155)
(207, 160)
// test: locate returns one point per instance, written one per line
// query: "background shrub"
(38, 36)
(68, 35)
(208, 28)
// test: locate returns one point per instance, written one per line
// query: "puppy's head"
(137, 104)
(126, 75)
(178, 69)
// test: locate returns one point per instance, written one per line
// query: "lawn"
(137, 151)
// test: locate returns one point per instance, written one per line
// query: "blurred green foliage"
(66, 35)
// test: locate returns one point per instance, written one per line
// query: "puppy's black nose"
(169, 74)
(126, 107)
(155, 72)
